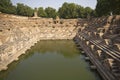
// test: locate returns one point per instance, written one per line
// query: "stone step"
(115, 67)
(107, 49)
(116, 71)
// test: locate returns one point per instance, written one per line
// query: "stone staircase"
(102, 37)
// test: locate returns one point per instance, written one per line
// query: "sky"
(55, 3)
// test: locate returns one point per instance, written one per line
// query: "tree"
(106, 7)
(103, 7)
(41, 12)
(81, 11)
(93, 13)
(50, 12)
(24, 10)
(68, 10)
(7, 7)
(88, 12)
(115, 6)
(72, 10)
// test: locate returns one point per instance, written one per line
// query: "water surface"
(50, 60)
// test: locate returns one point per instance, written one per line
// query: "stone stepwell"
(17, 34)
(100, 40)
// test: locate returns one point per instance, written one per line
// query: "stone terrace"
(17, 34)
(100, 37)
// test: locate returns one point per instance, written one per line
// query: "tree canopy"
(67, 10)
(24, 10)
(50, 12)
(41, 12)
(72, 10)
(106, 7)
(7, 7)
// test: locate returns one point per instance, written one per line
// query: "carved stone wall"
(100, 39)
(17, 34)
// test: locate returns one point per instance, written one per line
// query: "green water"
(50, 60)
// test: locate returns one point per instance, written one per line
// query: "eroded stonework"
(17, 34)
(100, 39)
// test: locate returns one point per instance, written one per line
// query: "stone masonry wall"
(100, 39)
(17, 34)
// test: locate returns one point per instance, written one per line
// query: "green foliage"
(72, 10)
(93, 13)
(7, 7)
(105, 7)
(80, 11)
(102, 7)
(115, 6)
(88, 11)
(50, 12)
(68, 10)
(24, 10)
(41, 12)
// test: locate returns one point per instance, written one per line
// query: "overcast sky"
(55, 3)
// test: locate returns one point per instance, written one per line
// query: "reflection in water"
(64, 48)
(50, 60)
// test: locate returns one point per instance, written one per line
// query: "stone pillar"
(101, 34)
(108, 41)
(89, 33)
(35, 13)
(95, 33)
(118, 46)
(92, 47)
(101, 55)
(87, 42)
(108, 63)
